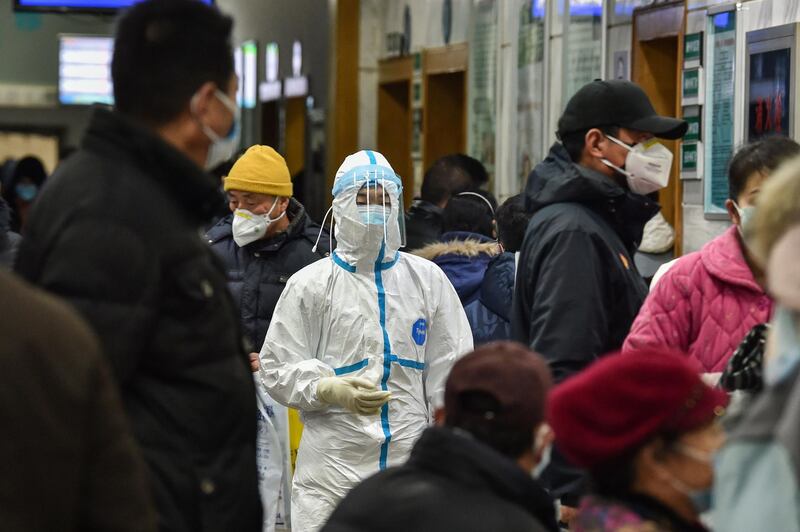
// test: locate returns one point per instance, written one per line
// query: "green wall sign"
(693, 49)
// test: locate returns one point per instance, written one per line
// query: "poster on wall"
(530, 79)
(482, 75)
(769, 94)
(719, 112)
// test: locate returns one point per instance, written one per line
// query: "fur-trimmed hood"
(467, 248)
(464, 258)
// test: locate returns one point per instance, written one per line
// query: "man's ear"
(593, 142)
(201, 101)
(733, 214)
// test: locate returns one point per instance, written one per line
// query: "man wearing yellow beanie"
(267, 237)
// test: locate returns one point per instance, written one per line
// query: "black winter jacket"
(450, 482)
(257, 272)
(578, 289)
(116, 232)
(488, 315)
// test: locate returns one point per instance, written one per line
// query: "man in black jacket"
(445, 178)
(267, 238)
(473, 471)
(116, 231)
(578, 289)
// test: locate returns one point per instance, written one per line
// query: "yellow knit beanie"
(260, 170)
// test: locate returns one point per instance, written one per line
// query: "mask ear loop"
(322, 228)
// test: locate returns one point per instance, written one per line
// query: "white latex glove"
(357, 395)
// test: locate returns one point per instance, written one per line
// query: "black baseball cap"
(617, 103)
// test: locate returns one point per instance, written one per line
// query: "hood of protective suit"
(358, 243)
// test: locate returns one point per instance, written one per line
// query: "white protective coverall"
(368, 311)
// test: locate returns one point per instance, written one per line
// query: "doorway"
(656, 66)
(394, 120)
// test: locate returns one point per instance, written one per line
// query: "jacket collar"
(558, 180)
(460, 243)
(297, 225)
(723, 257)
(116, 136)
(455, 454)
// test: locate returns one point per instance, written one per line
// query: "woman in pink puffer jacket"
(708, 300)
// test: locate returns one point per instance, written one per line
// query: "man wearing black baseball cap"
(578, 289)
(473, 471)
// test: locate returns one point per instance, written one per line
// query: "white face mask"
(249, 227)
(745, 216)
(223, 148)
(647, 165)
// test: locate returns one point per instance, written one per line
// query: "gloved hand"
(357, 395)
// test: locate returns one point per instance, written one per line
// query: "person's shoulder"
(66, 332)
(559, 219)
(221, 231)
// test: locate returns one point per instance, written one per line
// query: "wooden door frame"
(449, 59)
(648, 26)
(391, 71)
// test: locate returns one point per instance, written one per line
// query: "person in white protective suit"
(361, 344)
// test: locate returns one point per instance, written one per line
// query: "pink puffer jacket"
(704, 305)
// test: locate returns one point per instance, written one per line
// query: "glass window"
(530, 93)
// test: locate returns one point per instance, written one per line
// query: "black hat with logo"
(617, 103)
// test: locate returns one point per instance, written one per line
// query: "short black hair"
(466, 212)
(512, 442)
(763, 155)
(574, 141)
(164, 51)
(450, 175)
(512, 221)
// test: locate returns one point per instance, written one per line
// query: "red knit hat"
(623, 400)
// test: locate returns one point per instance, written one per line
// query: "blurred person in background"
(445, 178)
(475, 470)
(361, 343)
(757, 471)
(708, 301)
(9, 240)
(70, 463)
(645, 426)
(489, 314)
(116, 233)
(21, 181)
(468, 244)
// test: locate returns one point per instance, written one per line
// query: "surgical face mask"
(745, 217)
(373, 214)
(249, 227)
(701, 499)
(26, 191)
(787, 346)
(222, 148)
(647, 165)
